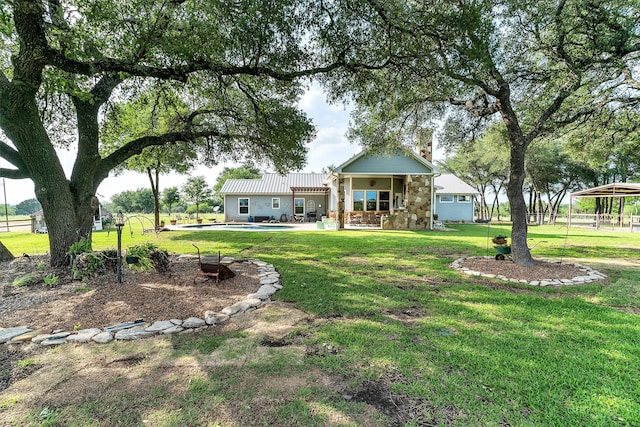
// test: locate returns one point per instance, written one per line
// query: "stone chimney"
(424, 143)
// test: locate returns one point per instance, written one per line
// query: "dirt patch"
(541, 270)
(101, 302)
(402, 409)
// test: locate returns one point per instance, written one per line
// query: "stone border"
(269, 285)
(589, 276)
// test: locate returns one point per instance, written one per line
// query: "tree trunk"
(5, 254)
(540, 218)
(156, 194)
(519, 248)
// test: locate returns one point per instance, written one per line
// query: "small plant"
(51, 280)
(80, 247)
(42, 266)
(138, 256)
(27, 280)
(24, 363)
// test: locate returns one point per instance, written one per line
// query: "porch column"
(340, 207)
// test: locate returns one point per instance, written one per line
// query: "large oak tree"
(532, 65)
(236, 64)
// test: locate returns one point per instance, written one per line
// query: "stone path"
(269, 285)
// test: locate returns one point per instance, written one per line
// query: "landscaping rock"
(133, 334)
(84, 335)
(103, 337)
(7, 334)
(193, 322)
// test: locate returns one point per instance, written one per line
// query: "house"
(454, 199)
(396, 191)
(275, 197)
(393, 191)
(390, 191)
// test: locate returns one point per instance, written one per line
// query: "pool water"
(234, 226)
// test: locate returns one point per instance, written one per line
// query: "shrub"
(88, 264)
(149, 255)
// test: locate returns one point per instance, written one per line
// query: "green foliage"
(170, 197)
(50, 280)
(11, 210)
(149, 255)
(88, 264)
(80, 247)
(241, 172)
(28, 207)
(204, 207)
(27, 280)
(197, 190)
(140, 200)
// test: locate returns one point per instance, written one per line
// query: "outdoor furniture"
(311, 215)
(216, 271)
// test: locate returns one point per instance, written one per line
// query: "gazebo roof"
(618, 189)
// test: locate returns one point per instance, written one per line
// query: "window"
(375, 200)
(372, 200)
(298, 206)
(358, 200)
(311, 206)
(446, 199)
(384, 200)
(275, 203)
(464, 199)
(243, 206)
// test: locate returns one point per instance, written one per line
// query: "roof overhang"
(610, 190)
(310, 189)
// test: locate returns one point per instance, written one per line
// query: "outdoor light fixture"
(119, 225)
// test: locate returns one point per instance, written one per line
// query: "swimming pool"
(234, 226)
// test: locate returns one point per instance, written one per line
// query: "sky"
(330, 147)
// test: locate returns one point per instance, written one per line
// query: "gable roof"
(274, 183)
(403, 161)
(448, 183)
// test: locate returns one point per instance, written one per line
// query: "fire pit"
(210, 270)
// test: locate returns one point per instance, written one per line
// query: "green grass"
(388, 309)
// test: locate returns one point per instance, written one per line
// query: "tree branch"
(11, 155)
(136, 146)
(13, 174)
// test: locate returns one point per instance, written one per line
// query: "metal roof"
(618, 189)
(273, 183)
(448, 183)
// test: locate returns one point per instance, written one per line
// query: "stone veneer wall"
(418, 206)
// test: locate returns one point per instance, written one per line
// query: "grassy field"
(390, 324)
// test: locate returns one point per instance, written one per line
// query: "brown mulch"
(541, 270)
(101, 302)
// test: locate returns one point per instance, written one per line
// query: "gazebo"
(618, 189)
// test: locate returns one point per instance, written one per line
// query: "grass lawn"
(397, 328)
